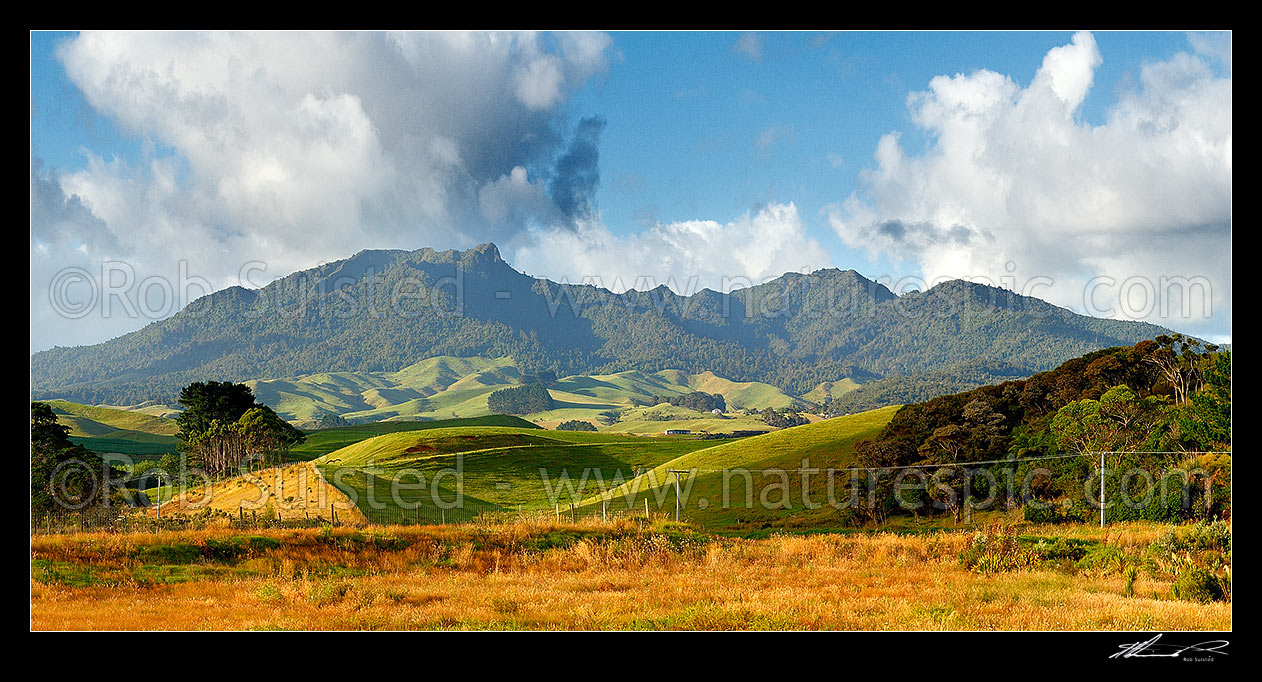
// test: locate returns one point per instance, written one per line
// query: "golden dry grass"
(606, 576)
(295, 491)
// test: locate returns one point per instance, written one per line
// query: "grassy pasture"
(510, 468)
(502, 467)
(116, 418)
(112, 430)
(831, 389)
(381, 395)
(696, 425)
(323, 441)
(824, 444)
(132, 444)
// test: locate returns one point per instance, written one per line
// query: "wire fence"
(1099, 487)
(128, 520)
(428, 515)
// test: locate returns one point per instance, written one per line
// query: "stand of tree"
(783, 420)
(1158, 401)
(64, 476)
(576, 425)
(697, 400)
(527, 399)
(223, 429)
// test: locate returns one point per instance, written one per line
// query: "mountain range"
(381, 311)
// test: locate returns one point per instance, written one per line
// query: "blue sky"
(683, 156)
(698, 129)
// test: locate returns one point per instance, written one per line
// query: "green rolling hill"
(434, 388)
(658, 418)
(825, 444)
(451, 388)
(831, 390)
(503, 468)
(323, 441)
(512, 468)
(116, 431)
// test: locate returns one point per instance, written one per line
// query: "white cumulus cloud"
(293, 148)
(1015, 184)
(686, 256)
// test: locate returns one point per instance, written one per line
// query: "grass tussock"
(539, 574)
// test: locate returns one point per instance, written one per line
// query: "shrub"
(576, 425)
(1132, 571)
(174, 553)
(1197, 557)
(1205, 535)
(697, 400)
(1058, 549)
(995, 550)
(1199, 584)
(783, 420)
(1059, 511)
(1105, 558)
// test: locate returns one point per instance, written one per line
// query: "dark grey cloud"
(578, 171)
(921, 235)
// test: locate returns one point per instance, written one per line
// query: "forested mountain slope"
(382, 311)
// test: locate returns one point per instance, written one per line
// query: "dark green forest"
(1157, 407)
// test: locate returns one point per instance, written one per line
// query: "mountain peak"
(965, 288)
(795, 331)
(482, 254)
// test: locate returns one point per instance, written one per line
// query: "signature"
(1151, 649)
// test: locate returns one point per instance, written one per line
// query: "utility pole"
(159, 477)
(677, 473)
(1101, 489)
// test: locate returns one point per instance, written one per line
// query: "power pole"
(159, 477)
(677, 473)
(1101, 489)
